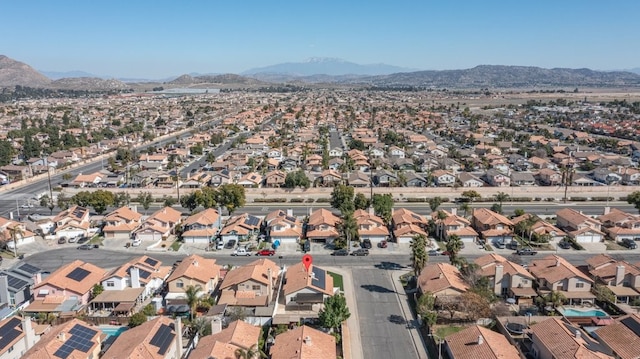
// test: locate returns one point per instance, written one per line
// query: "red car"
(266, 252)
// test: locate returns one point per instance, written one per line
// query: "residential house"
(397, 152)
(67, 289)
(336, 164)
(413, 179)
(307, 289)
(15, 233)
(321, 226)
(120, 223)
(223, 343)
(492, 226)
(16, 284)
(407, 224)
(282, 227)
(443, 178)
(456, 225)
(330, 178)
(621, 277)
(621, 336)
(606, 176)
(336, 152)
(202, 227)
(441, 280)
(18, 336)
(370, 227)
(304, 343)
(522, 179)
(87, 180)
(251, 285)
(558, 338)
(554, 273)
(539, 228)
(630, 176)
(274, 179)
(160, 337)
(496, 178)
(219, 178)
(251, 180)
(506, 278)
(549, 177)
(359, 179)
(74, 339)
(72, 222)
(384, 178)
(620, 225)
(468, 180)
(582, 228)
(479, 342)
(159, 225)
(240, 227)
(194, 270)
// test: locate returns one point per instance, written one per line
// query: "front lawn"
(175, 246)
(337, 280)
(444, 331)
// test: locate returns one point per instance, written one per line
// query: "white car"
(136, 242)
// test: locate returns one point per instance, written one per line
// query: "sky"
(155, 39)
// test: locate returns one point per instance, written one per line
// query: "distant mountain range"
(333, 71)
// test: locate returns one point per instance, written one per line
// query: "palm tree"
(454, 245)
(501, 197)
(192, 293)
(348, 228)
(15, 231)
(465, 207)
(419, 253)
(555, 298)
(249, 353)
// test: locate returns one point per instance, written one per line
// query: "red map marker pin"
(307, 259)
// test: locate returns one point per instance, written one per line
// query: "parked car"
(86, 247)
(340, 252)
(513, 245)
(219, 245)
(230, 244)
(73, 239)
(62, 240)
(265, 252)
(360, 252)
(564, 244)
(382, 244)
(526, 252)
(629, 243)
(306, 246)
(366, 244)
(241, 252)
(434, 252)
(136, 242)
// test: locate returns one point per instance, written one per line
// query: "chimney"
(4, 288)
(557, 262)
(62, 336)
(440, 275)
(178, 329)
(216, 325)
(619, 275)
(29, 333)
(607, 210)
(307, 340)
(497, 281)
(269, 285)
(480, 340)
(289, 212)
(134, 272)
(578, 334)
(454, 211)
(371, 210)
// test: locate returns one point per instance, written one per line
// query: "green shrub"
(323, 200)
(578, 199)
(310, 200)
(414, 199)
(296, 200)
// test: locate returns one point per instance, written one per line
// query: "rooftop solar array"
(163, 339)
(632, 324)
(9, 332)
(252, 220)
(80, 339)
(26, 267)
(78, 274)
(16, 283)
(290, 219)
(415, 216)
(319, 277)
(79, 212)
(150, 261)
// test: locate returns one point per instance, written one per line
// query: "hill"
(322, 66)
(14, 73)
(225, 79)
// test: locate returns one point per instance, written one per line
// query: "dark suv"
(629, 243)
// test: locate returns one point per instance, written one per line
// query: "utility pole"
(51, 205)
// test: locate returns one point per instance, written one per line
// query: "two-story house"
(72, 222)
(618, 335)
(16, 284)
(282, 227)
(160, 338)
(274, 179)
(443, 178)
(224, 343)
(240, 227)
(304, 342)
(15, 233)
(620, 225)
(496, 178)
(582, 228)
(19, 335)
(251, 285)
(120, 223)
(479, 342)
(201, 227)
(158, 226)
(307, 289)
(407, 224)
(441, 280)
(370, 227)
(196, 271)
(456, 225)
(506, 278)
(74, 339)
(558, 338)
(321, 226)
(621, 277)
(67, 289)
(554, 273)
(492, 226)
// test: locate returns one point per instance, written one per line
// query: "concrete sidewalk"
(412, 322)
(354, 345)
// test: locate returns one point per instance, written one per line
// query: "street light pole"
(439, 344)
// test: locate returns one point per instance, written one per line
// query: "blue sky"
(156, 39)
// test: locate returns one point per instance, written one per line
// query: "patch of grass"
(488, 248)
(613, 246)
(443, 332)
(337, 280)
(97, 239)
(175, 246)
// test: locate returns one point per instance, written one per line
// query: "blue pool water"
(113, 331)
(569, 312)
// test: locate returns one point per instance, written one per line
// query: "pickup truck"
(526, 252)
(241, 252)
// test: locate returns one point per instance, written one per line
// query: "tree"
(434, 203)
(189, 201)
(501, 197)
(518, 212)
(137, 319)
(634, 199)
(465, 207)
(149, 310)
(145, 199)
(383, 206)
(297, 179)
(361, 201)
(335, 312)
(15, 232)
(471, 195)
(249, 353)
(555, 298)
(603, 293)
(496, 208)
(342, 198)
(192, 292)
(97, 290)
(231, 196)
(101, 199)
(6, 152)
(348, 229)
(454, 245)
(121, 199)
(419, 255)
(474, 305)
(425, 308)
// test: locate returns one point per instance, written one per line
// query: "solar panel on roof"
(16, 283)
(290, 219)
(415, 216)
(80, 339)
(319, 277)
(162, 339)
(150, 261)
(632, 324)
(144, 274)
(26, 267)
(8, 332)
(78, 274)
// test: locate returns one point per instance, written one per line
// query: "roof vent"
(480, 339)
(307, 340)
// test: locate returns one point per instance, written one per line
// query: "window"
(525, 281)
(10, 349)
(579, 285)
(179, 284)
(111, 284)
(255, 287)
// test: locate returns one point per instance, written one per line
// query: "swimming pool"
(113, 331)
(571, 312)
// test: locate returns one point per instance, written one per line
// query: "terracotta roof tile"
(304, 343)
(466, 344)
